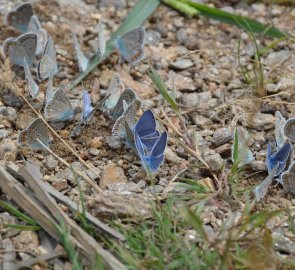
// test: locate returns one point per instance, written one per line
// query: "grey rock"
(275, 58)
(182, 64)
(257, 165)
(181, 36)
(201, 121)
(180, 82)
(215, 162)
(222, 136)
(195, 100)
(260, 121)
(8, 149)
(11, 99)
(152, 38)
(124, 187)
(94, 151)
(50, 162)
(114, 143)
(117, 4)
(286, 84)
(271, 88)
(3, 133)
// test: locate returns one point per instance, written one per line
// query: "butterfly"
(58, 108)
(32, 86)
(288, 179)
(131, 45)
(101, 40)
(47, 66)
(115, 90)
(36, 131)
(152, 160)
(126, 98)
(16, 49)
(87, 108)
(242, 155)
(261, 190)
(20, 16)
(278, 156)
(36, 28)
(128, 116)
(289, 129)
(279, 129)
(82, 59)
(146, 130)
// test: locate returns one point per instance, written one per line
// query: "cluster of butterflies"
(35, 48)
(121, 105)
(279, 160)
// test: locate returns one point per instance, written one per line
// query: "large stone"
(196, 100)
(112, 174)
(215, 162)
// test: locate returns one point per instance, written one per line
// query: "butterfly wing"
(289, 129)
(261, 190)
(115, 90)
(32, 86)
(87, 108)
(288, 181)
(279, 129)
(36, 28)
(157, 153)
(20, 16)
(146, 124)
(59, 108)
(128, 96)
(47, 66)
(280, 157)
(101, 40)
(129, 136)
(82, 59)
(18, 49)
(131, 45)
(36, 131)
(129, 117)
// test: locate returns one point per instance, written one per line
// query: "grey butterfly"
(31, 86)
(35, 27)
(131, 45)
(20, 16)
(115, 90)
(279, 129)
(126, 98)
(101, 40)
(127, 117)
(47, 66)
(288, 179)
(33, 134)
(20, 48)
(59, 107)
(82, 59)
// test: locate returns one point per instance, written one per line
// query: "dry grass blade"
(91, 246)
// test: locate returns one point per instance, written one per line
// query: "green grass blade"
(10, 209)
(161, 87)
(226, 17)
(236, 147)
(23, 227)
(139, 13)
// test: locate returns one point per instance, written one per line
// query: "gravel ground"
(197, 58)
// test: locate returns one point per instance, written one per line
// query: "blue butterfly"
(20, 16)
(131, 45)
(152, 160)
(146, 130)
(278, 156)
(87, 108)
(20, 48)
(289, 129)
(33, 134)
